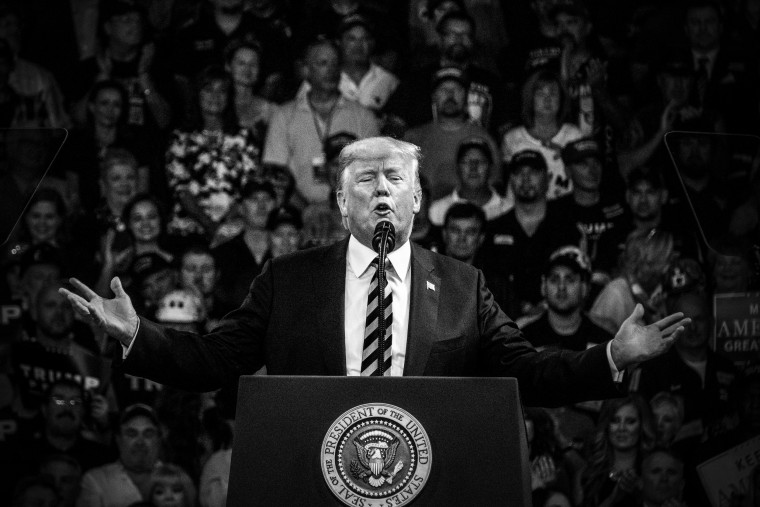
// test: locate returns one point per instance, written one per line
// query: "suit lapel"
(330, 286)
(423, 313)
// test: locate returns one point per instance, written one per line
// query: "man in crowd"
(522, 239)
(152, 276)
(127, 480)
(300, 127)
(662, 479)
(291, 319)
(474, 171)
(198, 270)
(565, 286)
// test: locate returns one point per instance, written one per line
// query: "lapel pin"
(430, 286)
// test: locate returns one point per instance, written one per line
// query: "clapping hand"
(116, 316)
(636, 341)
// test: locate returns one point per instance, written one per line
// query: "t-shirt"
(541, 334)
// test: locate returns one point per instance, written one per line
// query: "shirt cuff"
(617, 376)
(125, 350)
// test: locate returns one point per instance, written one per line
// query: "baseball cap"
(577, 151)
(450, 74)
(147, 264)
(572, 7)
(180, 306)
(474, 142)
(284, 215)
(530, 158)
(43, 253)
(336, 142)
(257, 185)
(138, 410)
(352, 20)
(571, 257)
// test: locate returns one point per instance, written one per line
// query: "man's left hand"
(636, 342)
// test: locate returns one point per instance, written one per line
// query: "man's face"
(256, 208)
(66, 478)
(695, 335)
(694, 154)
(463, 237)
(450, 99)
(106, 108)
(323, 68)
(285, 239)
(646, 201)
(528, 184)
(474, 169)
(138, 441)
(564, 289)
(199, 271)
(64, 411)
(587, 174)
(55, 315)
(731, 273)
(35, 277)
(674, 87)
(244, 67)
(356, 44)
(125, 29)
(379, 189)
(661, 478)
(457, 40)
(703, 28)
(572, 28)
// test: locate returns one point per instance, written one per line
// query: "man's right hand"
(116, 317)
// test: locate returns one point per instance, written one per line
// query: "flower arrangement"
(212, 167)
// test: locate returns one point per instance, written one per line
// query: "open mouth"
(382, 209)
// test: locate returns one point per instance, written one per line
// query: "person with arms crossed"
(435, 329)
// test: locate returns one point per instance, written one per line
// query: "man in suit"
(305, 313)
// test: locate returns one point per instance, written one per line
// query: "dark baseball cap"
(257, 185)
(284, 215)
(352, 20)
(138, 410)
(578, 151)
(571, 257)
(476, 142)
(147, 264)
(450, 74)
(334, 144)
(530, 158)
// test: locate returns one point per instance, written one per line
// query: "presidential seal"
(376, 455)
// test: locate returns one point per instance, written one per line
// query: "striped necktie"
(370, 363)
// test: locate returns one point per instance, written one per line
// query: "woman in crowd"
(667, 410)
(623, 436)
(644, 263)
(544, 109)
(145, 220)
(209, 161)
(253, 112)
(171, 487)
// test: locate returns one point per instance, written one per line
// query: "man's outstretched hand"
(116, 316)
(636, 341)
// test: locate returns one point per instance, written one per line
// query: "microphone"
(384, 239)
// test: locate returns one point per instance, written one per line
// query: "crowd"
(202, 140)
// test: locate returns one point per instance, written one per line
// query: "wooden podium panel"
(475, 426)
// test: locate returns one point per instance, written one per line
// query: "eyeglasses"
(74, 402)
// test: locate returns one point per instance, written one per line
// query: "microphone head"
(384, 232)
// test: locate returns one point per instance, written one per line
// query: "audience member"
(662, 479)
(523, 238)
(440, 138)
(145, 220)
(667, 410)
(209, 161)
(463, 232)
(732, 266)
(128, 479)
(601, 216)
(198, 270)
(300, 127)
(284, 225)
(544, 128)
(172, 487)
(66, 474)
(623, 437)
(152, 277)
(36, 491)
(474, 174)
(565, 287)
(643, 266)
(548, 468)
(10, 101)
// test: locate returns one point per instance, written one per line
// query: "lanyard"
(315, 116)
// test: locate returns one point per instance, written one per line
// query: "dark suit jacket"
(292, 322)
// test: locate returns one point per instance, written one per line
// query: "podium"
(322, 441)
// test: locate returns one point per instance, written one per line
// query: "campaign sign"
(737, 326)
(729, 474)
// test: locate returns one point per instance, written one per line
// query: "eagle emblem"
(376, 451)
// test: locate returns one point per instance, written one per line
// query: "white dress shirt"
(358, 277)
